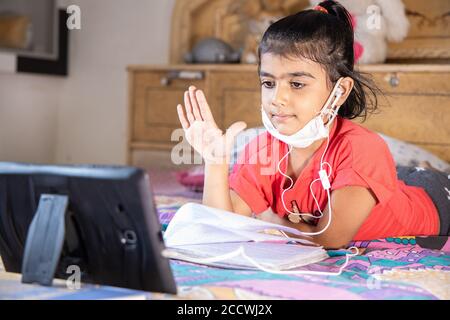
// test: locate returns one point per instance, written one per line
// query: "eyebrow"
(292, 74)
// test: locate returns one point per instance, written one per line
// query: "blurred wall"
(83, 118)
(28, 117)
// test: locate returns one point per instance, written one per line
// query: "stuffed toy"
(375, 23)
(260, 14)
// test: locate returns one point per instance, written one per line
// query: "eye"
(297, 85)
(268, 84)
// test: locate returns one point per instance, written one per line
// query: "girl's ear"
(346, 86)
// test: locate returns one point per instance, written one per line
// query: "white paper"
(275, 256)
(197, 232)
(198, 224)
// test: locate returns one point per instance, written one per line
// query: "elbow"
(334, 244)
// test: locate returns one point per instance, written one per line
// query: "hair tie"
(321, 9)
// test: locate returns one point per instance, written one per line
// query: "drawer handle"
(183, 75)
(394, 80)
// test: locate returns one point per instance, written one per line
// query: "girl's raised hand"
(201, 130)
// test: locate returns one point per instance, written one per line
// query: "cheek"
(307, 105)
(266, 97)
(302, 108)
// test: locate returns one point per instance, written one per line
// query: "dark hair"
(325, 38)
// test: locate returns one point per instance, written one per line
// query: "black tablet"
(100, 220)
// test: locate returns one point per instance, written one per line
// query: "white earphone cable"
(333, 115)
(241, 252)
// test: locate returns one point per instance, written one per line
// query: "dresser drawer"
(237, 97)
(413, 82)
(415, 109)
(153, 106)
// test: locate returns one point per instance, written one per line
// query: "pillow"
(407, 154)
(193, 178)
(242, 140)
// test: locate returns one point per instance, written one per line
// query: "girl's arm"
(213, 145)
(350, 207)
(217, 192)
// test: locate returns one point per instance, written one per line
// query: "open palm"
(201, 130)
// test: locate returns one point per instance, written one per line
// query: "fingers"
(188, 106)
(205, 110)
(183, 120)
(197, 107)
(236, 128)
(194, 103)
(233, 131)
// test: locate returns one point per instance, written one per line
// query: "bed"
(412, 268)
(392, 268)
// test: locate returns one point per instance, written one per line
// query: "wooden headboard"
(193, 20)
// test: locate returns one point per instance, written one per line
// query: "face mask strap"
(331, 110)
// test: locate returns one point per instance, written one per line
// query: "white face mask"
(314, 130)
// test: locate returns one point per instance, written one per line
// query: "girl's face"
(293, 91)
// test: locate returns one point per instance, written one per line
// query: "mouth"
(281, 117)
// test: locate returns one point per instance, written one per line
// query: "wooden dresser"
(416, 79)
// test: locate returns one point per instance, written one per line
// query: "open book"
(197, 233)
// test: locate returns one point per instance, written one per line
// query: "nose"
(280, 96)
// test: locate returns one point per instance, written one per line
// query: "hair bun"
(338, 10)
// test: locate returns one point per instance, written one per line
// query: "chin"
(285, 129)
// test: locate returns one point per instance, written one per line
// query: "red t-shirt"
(358, 157)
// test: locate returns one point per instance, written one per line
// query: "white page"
(198, 224)
(272, 255)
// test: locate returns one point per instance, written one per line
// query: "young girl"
(336, 181)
